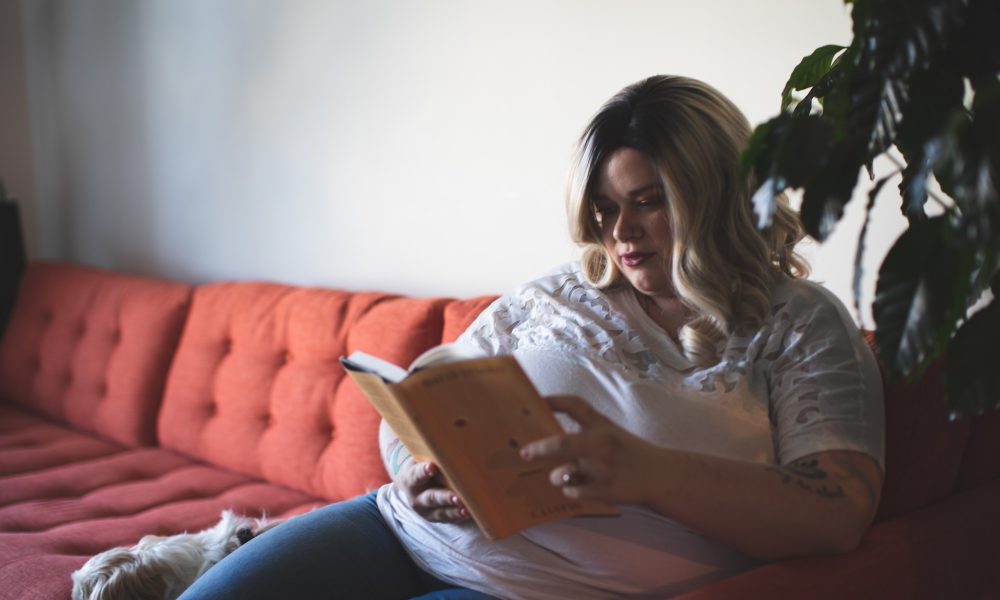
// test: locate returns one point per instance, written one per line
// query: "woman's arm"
(395, 456)
(418, 481)
(819, 504)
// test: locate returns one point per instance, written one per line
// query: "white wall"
(412, 146)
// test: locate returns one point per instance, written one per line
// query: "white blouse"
(805, 382)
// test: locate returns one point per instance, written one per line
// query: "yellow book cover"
(470, 417)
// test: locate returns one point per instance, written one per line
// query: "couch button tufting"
(116, 336)
(81, 330)
(47, 316)
(67, 378)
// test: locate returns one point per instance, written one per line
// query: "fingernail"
(454, 499)
(525, 454)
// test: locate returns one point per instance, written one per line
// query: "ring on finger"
(575, 475)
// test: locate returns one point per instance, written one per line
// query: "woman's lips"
(633, 259)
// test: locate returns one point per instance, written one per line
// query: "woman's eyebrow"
(599, 197)
(644, 189)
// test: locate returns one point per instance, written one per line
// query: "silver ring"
(574, 476)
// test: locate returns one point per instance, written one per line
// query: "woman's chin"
(652, 289)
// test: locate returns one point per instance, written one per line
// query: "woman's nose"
(626, 228)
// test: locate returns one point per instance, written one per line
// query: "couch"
(133, 405)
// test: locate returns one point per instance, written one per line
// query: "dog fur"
(162, 567)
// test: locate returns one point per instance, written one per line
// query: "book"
(470, 416)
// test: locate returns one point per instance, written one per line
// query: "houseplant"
(919, 83)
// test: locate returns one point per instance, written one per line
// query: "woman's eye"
(648, 201)
(604, 212)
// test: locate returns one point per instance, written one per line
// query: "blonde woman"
(729, 408)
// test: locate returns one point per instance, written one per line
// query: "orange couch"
(132, 405)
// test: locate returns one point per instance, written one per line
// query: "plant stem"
(933, 196)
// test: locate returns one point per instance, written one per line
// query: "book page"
(478, 414)
(439, 355)
(393, 412)
(362, 361)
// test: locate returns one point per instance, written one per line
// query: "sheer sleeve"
(824, 384)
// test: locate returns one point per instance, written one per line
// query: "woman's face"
(630, 206)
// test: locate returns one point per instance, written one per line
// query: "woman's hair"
(722, 265)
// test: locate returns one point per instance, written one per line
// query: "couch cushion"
(923, 448)
(981, 461)
(947, 550)
(256, 386)
(58, 510)
(459, 314)
(92, 348)
(29, 443)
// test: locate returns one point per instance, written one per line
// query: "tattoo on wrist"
(807, 475)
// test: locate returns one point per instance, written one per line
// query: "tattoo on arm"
(397, 456)
(855, 473)
(807, 475)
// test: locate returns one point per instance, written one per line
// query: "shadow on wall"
(140, 113)
(89, 115)
(12, 257)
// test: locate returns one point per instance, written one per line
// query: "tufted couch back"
(91, 348)
(256, 386)
(245, 376)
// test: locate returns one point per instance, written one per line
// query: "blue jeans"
(344, 550)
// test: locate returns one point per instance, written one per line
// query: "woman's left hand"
(601, 462)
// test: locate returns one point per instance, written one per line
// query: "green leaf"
(935, 95)
(976, 49)
(803, 149)
(765, 201)
(967, 166)
(934, 111)
(809, 72)
(949, 163)
(756, 146)
(900, 40)
(836, 91)
(785, 152)
(972, 379)
(830, 189)
(913, 186)
(921, 294)
(761, 157)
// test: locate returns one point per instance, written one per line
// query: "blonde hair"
(722, 265)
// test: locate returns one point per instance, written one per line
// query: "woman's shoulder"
(808, 322)
(560, 308)
(801, 300)
(563, 286)
(566, 275)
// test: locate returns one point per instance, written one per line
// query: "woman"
(730, 409)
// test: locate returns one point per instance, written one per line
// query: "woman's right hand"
(422, 488)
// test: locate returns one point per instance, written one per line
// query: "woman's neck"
(670, 313)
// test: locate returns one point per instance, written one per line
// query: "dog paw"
(244, 535)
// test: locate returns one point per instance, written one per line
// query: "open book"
(470, 417)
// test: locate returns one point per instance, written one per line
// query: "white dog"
(162, 567)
